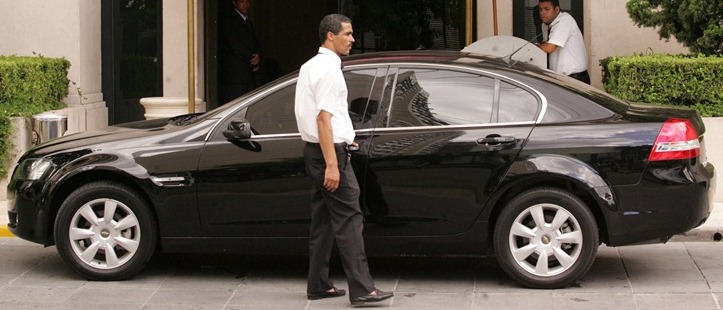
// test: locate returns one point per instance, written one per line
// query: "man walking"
(323, 120)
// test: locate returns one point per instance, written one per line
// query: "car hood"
(113, 137)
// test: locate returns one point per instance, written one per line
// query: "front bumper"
(28, 218)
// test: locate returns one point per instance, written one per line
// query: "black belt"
(578, 75)
(581, 76)
(339, 146)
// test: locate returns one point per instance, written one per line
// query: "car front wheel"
(546, 238)
(103, 231)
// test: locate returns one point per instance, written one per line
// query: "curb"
(708, 234)
(712, 234)
(5, 232)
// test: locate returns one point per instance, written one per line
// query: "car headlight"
(36, 169)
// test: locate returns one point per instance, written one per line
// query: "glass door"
(132, 56)
(382, 25)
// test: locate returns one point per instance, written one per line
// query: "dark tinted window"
(365, 94)
(516, 104)
(274, 114)
(569, 100)
(429, 97)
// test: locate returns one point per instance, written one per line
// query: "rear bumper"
(648, 214)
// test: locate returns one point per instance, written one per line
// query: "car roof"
(439, 57)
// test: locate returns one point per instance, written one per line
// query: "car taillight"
(678, 139)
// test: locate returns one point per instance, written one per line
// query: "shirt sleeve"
(326, 94)
(561, 32)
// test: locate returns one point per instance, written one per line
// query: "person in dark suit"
(238, 53)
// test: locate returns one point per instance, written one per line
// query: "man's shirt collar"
(332, 55)
(241, 14)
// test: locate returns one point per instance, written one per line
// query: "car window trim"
(542, 100)
(401, 129)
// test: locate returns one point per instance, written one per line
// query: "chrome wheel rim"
(104, 233)
(545, 240)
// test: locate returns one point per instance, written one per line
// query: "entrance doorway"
(132, 56)
(287, 30)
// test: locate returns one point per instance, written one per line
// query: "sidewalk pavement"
(712, 230)
(4, 232)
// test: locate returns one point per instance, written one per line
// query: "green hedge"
(682, 80)
(28, 86)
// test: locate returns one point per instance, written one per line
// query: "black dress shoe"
(335, 292)
(379, 296)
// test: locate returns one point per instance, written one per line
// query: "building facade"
(124, 50)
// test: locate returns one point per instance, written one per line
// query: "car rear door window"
(439, 97)
(433, 97)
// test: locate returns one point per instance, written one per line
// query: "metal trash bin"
(47, 126)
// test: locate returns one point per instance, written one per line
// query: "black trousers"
(336, 216)
(581, 76)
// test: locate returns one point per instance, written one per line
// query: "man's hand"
(255, 61)
(331, 178)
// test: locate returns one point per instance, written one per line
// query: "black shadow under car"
(460, 154)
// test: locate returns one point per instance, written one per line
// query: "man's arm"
(547, 47)
(326, 142)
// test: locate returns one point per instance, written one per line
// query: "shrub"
(28, 85)
(682, 80)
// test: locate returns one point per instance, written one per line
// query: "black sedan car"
(460, 155)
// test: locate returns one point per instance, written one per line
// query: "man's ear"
(330, 36)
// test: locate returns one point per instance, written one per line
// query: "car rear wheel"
(103, 231)
(546, 238)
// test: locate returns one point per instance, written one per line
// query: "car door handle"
(495, 140)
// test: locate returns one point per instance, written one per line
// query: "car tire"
(546, 238)
(83, 234)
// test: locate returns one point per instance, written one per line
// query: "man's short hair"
(555, 3)
(331, 23)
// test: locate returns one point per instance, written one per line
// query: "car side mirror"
(238, 130)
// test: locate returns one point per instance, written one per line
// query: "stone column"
(175, 58)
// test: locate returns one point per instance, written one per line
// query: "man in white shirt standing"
(563, 42)
(322, 116)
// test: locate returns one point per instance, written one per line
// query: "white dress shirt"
(571, 55)
(321, 86)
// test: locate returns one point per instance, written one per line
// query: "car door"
(445, 138)
(258, 187)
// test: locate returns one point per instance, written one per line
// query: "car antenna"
(508, 58)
